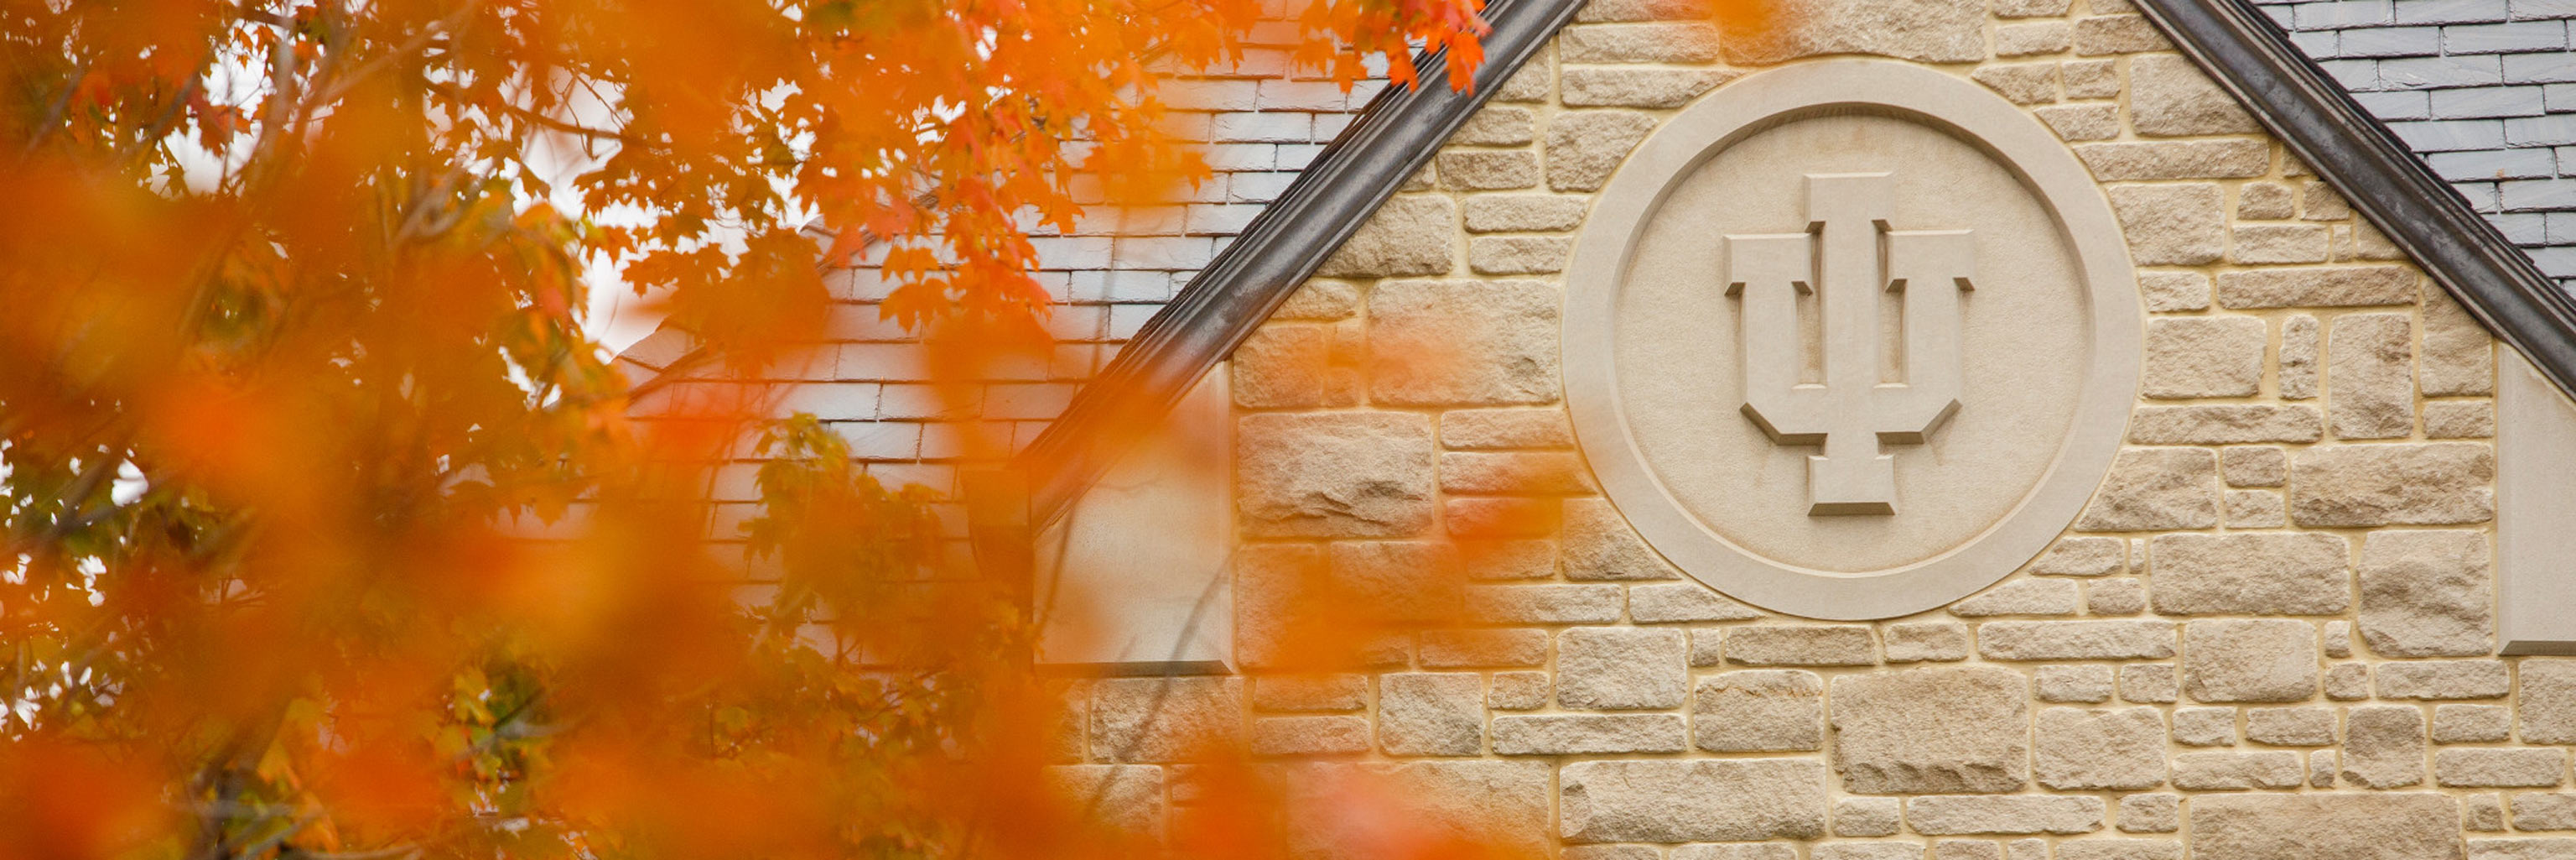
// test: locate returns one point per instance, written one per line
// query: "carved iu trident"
(1849, 262)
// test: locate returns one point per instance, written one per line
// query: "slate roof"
(2484, 90)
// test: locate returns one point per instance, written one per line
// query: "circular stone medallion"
(1851, 339)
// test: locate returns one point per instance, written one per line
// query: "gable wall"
(2270, 633)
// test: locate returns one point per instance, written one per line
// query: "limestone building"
(2099, 429)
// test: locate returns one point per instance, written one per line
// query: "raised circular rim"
(1981, 118)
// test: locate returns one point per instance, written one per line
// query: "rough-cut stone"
(1585, 147)
(1408, 236)
(2021, 597)
(2426, 594)
(1164, 719)
(2459, 355)
(2527, 848)
(2022, 83)
(2485, 767)
(2262, 466)
(2075, 640)
(2034, 37)
(2249, 660)
(2204, 727)
(1619, 668)
(1497, 125)
(2083, 122)
(1506, 560)
(2383, 746)
(2072, 684)
(2447, 679)
(2151, 813)
(1666, 602)
(2235, 771)
(2290, 727)
(2483, 813)
(2254, 573)
(1283, 366)
(2174, 291)
(2151, 489)
(1801, 645)
(2175, 159)
(2150, 683)
(1692, 801)
(1479, 646)
(1518, 691)
(1630, 87)
(2169, 96)
(1967, 849)
(1503, 213)
(1938, 31)
(2317, 286)
(1513, 472)
(1927, 641)
(1310, 693)
(1867, 851)
(1775, 710)
(2221, 424)
(1932, 729)
(2265, 201)
(2085, 750)
(2175, 225)
(1126, 799)
(1544, 604)
(2411, 826)
(1345, 474)
(2546, 711)
(2321, 768)
(1505, 428)
(2336, 638)
(2254, 244)
(1495, 342)
(1487, 170)
(1335, 734)
(1724, 851)
(2347, 682)
(2256, 509)
(1868, 816)
(2117, 34)
(1600, 545)
(2533, 810)
(2122, 596)
(1588, 734)
(1501, 804)
(1518, 255)
(2460, 724)
(2436, 483)
(1431, 713)
(2119, 849)
(2370, 379)
(2447, 419)
(1615, 852)
(1963, 815)
(2299, 344)
(2082, 556)
(1662, 42)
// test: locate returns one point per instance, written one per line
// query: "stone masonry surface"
(2270, 634)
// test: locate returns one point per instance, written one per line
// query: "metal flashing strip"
(2379, 176)
(1391, 139)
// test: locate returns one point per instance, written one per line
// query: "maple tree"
(328, 530)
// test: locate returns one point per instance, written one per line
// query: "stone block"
(1164, 719)
(2083, 122)
(1507, 560)
(2022, 83)
(1513, 472)
(1488, 170)
(1126, 799)
(1516, 213)
(2448, 419)
(1502, 805)
(2290, 727)
(1801, 645)
(1588, 734)
(2410, 826)
(2150, 683)
(1332, 734)
(1496, 125)
(1585, 86)
(1431, 713)
(2223, 424)
(2383, 746)
(2119, 849)
(1310, 693)
(2090, 79)
(1494, 342)
(1518, 255)
(1968, 815)
(1409, 235)
(1518, 691)
(1938, 31)
(2469, 724)
(2175, 159)
(2449, 679)
(2436, 483)
(2254, 573)
(1505, 428)
(1283, 366)
(2174, 291)
(1932, 729)
(2076, 640)
(2299, 345)
(1659, 42)
(1967, 849)
(2546, 711)
(2525, 848)
(2204, 727)
(2083, 556)
(1664, 602)
(1480, 647)
(2117, 34)
(2182, 225)
(2236, 771)
(1868, 816)
(1692, 801)
(1927, 641)
(2487, 767)
(2317, 286)
(2256, 509)
(2072, 684)
(2169, 96)
(2265, 201)
(2033, 37)
(1346, 474)
(2257, 244)
(2534, 810)
(2152, 489)
(1598, 544)
(1621, 668)
(2249, 660)
(1731, 851)
(2121, 596)
(1544, 604)
(2254, 466)
(2151, 813)
(2427, 594)
(1585, 147)
(2089, 750)
(2370, 376)
(1867, 851)
(1775, 710)
(2021, 597)
(2459, 354)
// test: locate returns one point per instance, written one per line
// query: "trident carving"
(1848, 254)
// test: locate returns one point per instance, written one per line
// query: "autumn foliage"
(329, 531)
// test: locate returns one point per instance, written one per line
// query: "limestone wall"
(2270, 633)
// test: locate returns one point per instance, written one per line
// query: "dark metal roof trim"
(2381, 178)
(1391, 139)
